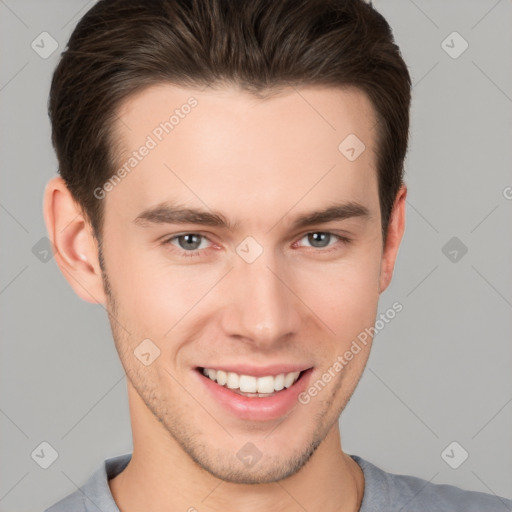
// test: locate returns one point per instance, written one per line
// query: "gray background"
(439, 372)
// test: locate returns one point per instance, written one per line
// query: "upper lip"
(258, 371)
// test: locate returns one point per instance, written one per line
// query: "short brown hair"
(122, 46)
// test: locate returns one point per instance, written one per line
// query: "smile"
(250, 385)
(270, 395)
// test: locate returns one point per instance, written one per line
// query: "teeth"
(250, 384)
(265, 384)
(279, 382)
(288, 380)
(222, 377)
(233, 381)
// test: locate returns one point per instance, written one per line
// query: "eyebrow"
(166, 213)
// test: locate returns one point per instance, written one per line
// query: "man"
(232, 190)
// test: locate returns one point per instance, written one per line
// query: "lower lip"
(257, 408)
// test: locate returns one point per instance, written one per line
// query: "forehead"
(234, 151)
(327, 111)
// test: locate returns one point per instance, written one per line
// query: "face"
(246, 287)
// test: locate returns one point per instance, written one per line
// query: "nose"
(260, 307)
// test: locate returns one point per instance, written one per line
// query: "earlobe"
(75, 248)
(396, 228)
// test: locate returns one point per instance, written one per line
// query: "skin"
(261, 163)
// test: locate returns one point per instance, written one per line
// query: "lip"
(262, 371)
(257, 409)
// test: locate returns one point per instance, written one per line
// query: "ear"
(395, 232)
(74, 245)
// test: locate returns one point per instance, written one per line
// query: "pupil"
(323, 238)
(190, 240)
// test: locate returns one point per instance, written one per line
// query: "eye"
(190, 243)
(194, 244)
(322, 239)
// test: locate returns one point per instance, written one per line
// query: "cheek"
(345, 294)
(153, 295)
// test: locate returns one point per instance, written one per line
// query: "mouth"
(267, 396)
(250, 385)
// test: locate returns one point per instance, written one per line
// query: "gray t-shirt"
(383, 492)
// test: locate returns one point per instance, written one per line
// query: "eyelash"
(196, 252)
